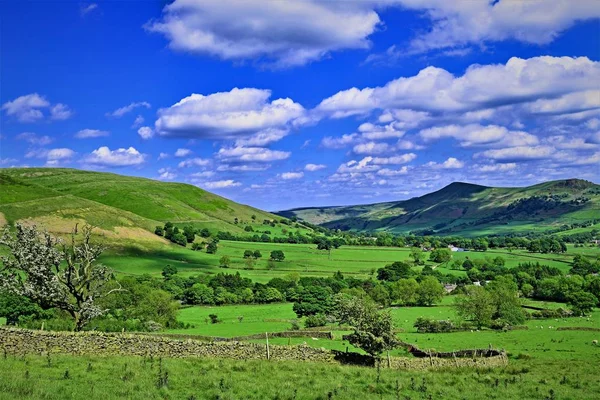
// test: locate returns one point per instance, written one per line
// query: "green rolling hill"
(469, 210)
(122, 207)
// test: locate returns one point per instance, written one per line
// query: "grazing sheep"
(595, 342)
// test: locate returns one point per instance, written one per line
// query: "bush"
(214, 319)
(427, 325)
(312, 321)
(295, 326)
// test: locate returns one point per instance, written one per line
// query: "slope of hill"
(122, 206)
(468, 209)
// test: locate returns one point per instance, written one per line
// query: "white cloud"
(502, 167)
(86, 9)
(60, 112)
(34, 139)
(90, 133)
(463, 23)
(59, 154)
(251, 154)
(162, 156)
(139, 120)
(450, 163)
(146, 132)
(395, 160)
(203, 174)
(183, 152)
(166, 174)
(291, 175)
(221, 184)
(330, 142)
(263, 138)
(478, 135)
(563, 142)
(378, 132)
(253, 167)
(519, 153)
(393, 172)
(371, 148)
(29, 108)
(282, 33)
(238, 114)
(194, 162)
(103, 156)
(4, 161)
(314, 167)
(481, 87)
(119, 112)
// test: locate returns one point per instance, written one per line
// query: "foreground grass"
(71, 377)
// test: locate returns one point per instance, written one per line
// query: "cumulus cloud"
(238, 114)
(105, 157)
(478, 135)
(194, 162)
(183, 152)
(60, 112)
(34, 139)
(165, 174)
(53, 156)
(221, 184)
(393, 172)
(462, 23)
(371, 148)
(252, 167)
(330, 142)
(501, 167)
(314, 167)
(29, 108)
(520, 153)
(282, 33)
(251, 154)
(90, 133)
(119, 112)
(481, 87)
(291, 175)
(263, 138)
(146, 132)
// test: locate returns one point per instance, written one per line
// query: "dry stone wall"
(18, 341)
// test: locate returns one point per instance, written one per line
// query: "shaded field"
(359, 261)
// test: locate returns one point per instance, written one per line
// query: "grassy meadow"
(359, 261)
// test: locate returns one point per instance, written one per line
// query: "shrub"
(313, 321)
(427, 325)
(214, 319)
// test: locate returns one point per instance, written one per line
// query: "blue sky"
(301, 103)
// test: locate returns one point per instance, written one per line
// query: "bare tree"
(55, 274)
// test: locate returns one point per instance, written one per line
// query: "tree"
(224, 262)
(381, 295)
(211, 248)
(417, 255)
(196, 246)
(190, 233)
(395, 271)
(70, 280)
(277, 255)
(404, 291)
(440, 255)
(313, 300)
(205, 233)
(199, 293)
(477, 305)
(430, 291)
(582, 303)
(12, 307)
(257, 254)
(248, 253)
(373, 329)
(159, 231)
(179, 238)
(253, 217)
(168, 271)
(506, 300)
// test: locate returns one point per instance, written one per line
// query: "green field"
(30, 377)
(359, 261)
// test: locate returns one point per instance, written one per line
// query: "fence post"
(268, 353)
(389, 361)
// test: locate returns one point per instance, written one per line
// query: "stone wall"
(23, 341)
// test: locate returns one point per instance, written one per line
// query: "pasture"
(305, 259)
